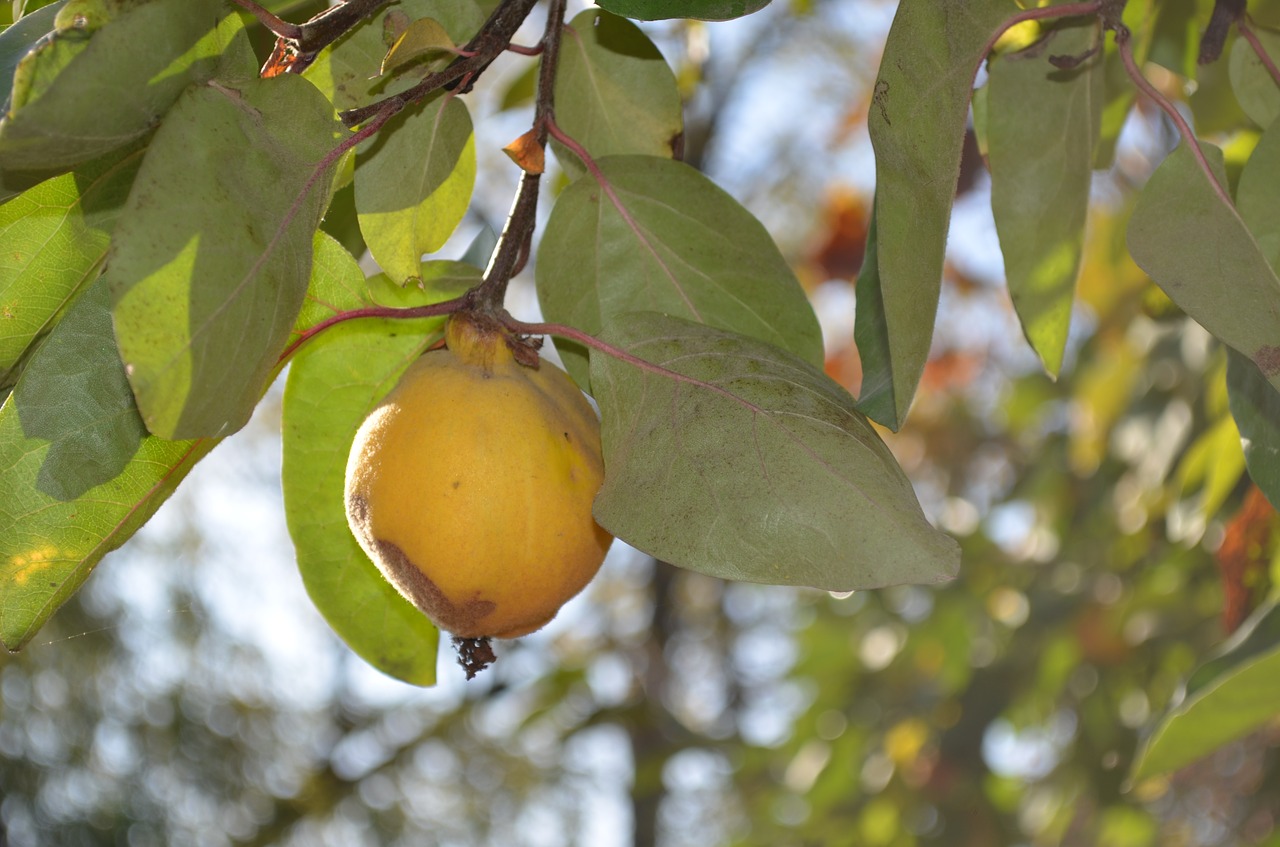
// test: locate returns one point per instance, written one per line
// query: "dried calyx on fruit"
(470, 485)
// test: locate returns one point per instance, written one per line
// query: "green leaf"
(212, 253)
(78, 473)
(481, 247)
(424, 37)
(334, 381)
(1211, 466)
(78, 400)
(979, 111)
(413, 183)
(348, 72)
(615, 93)
(659, 235)
(55, 237)
(1255, 405)
(1199, 251)
(63, 112)
(706, 10)
(17, 40)
(1042, 126)
(441, 279)
(1225, 699)
(1258, 195)
(920, 105)
(745, 462)
(1255, 88)
(871, 331)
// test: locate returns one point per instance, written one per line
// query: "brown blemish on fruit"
(357, 510)
(1267, 359)
(465, 619)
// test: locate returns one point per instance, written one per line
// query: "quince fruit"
(470, 485)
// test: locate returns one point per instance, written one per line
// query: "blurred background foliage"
(190, 695)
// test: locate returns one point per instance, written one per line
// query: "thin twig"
(435, 310)
(1225, 13)
(311, 37)
(1188, 136)
(517, 235)
(578, 150)
(1064, 10)
(524, 50)
(588, 340)
(334, 22)
(281, 28)
(488, 44)
(1247, 33)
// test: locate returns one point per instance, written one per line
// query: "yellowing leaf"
(334, 381)
(413, 183)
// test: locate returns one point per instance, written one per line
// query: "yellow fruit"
(470, 486)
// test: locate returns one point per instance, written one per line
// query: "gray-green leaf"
(1042, 127)
(1252, 83)
(745, 462)
(1199, 251)
(919, 108)
(615, 93)
(79, 95)
(656, 234)
(1255, 405)
(707, 10)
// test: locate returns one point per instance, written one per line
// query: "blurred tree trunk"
(650, 747)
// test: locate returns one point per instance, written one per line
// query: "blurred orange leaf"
(952, 369)
(1243, 556)
(842, 239)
